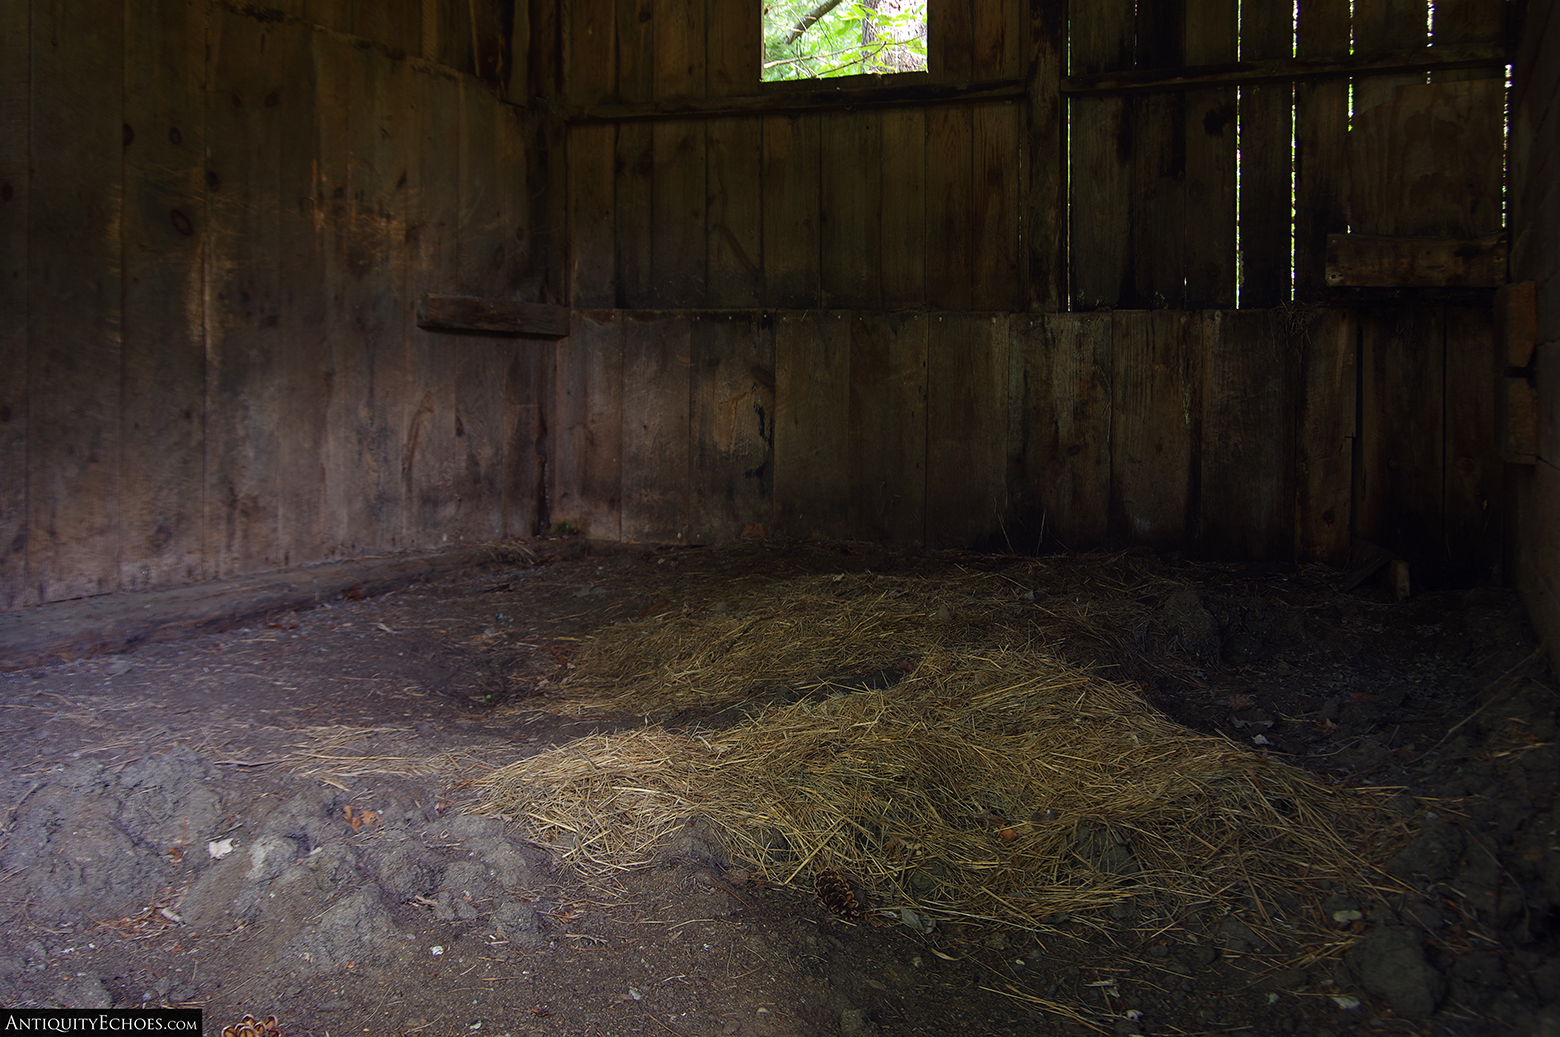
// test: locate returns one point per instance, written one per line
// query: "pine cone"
(838, 896)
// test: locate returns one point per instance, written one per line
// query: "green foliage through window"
(817, 39)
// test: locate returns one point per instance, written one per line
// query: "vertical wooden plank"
(1265, 137)
(1463, 22)
(633, 171)
(966, 429)
(735, 212)
(586, 429)
(1158, 128)
(527, 401)
(74, 312)
(1155, 410)
(1061, 371)
(996, 283)
(635, 50)
(1100, 234)
(812, 399)
(592, 246)
(431, 461)
(680, 31)
(1210, 263)
(1383, 27)
(162, 471)
(733, 58)
(1321, 126)
(395, 23)
(950, 39)
(1473, 490)
(1246, 500)
(244, 294)
(16, 588)
(1328, 342)
(1044, 214)
(887, 427)
(1399, 482)
(678, 246)
(446, 34)
(590, 72)
(657, 397)
(792, 178)
(733, 409)
(904, 207)
(996, 30)
(852, 213)
(949, 201)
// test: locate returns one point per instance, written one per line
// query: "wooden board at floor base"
(1156, 409)
(887, 426)
(1328, 342)
(733, 410)
(656, 400)
(967, 500)
(586, 428)
(812, 400)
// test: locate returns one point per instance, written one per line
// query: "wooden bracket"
(496, 316)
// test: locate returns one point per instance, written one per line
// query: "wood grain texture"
(1321, 127)
(1159, 148)
(997, 39)
(1247, 488)
(949, 207)
(17, 589)
(1325, 433)
(680, 49)
(633, 172)
(1099, 237)
(950, 40)
(1266, 132)
(966, 429)
(903, 200)
(735, 212)
(1045, 223)
(1399, 481)
(1381, 27)
(1155, 426)
(1209, 205)
(586, 427)
(792, 183)
(473, 313)
(851, 223)
(732, 419)
(679, 253)
(1370, 260)
(161, 470)
(657, 400)
(996, 181)
(887, 427)
(244, 292)
(591, 50)
(635, 50)
(812, 400)
(1061, 419)
(528, 398)
(1473, 493)
(592, 241)
(733, 38)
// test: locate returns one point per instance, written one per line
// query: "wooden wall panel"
(1061, 398)
(996, 178)
(950, 219)
(812, 400)
(966, 428)
(1045, 205)
(1328, 343)
(592, 220)
(657, 395)
(244, 294)
(997, 39)
(1155, 410)
(950, 39)
(734, 45)
(678, 200)
(888, 426)
(1398, 478)
(162, 476)
(1473, 490)
(590, 50)
(1209, 206)
(735, 245)
(1266, 135)
(1101, 156)
(1321, 126)
(851, 223)
(16, 587)
(1382, 27)
(792, 179)
(586, 429)
(1247, 489)
(1159, 150)
(528, 394)
(733, 411)
(903, 204)
(633, 170)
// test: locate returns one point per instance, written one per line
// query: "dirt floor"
(274, 819)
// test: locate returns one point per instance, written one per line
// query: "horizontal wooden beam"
(816, 99)
(1376, 261)
(1287, 70)
(498, 316)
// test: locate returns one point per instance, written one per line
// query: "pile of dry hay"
(987, 782)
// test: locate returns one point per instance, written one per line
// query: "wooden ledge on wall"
(495, 316)
(1379, 261)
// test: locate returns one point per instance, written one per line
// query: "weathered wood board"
(887, 426)
(1379, 261)
(1473, 489)
(657, 399)
(903, 204)
(735, 215)
(1328, 345)
(474, 313)
(1101, 147)
(16, 586)
(1266, 134)
(592, 277)
(950, 218)
(1156, 410)
(792, 180)
(812, 405)
(1321, 131)
(851, 223)
(586, 428)
(732, 419)
(967, 499)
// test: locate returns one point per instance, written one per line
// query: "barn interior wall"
(1535, 217)
(211, 251)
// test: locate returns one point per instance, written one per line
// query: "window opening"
(823, 39)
